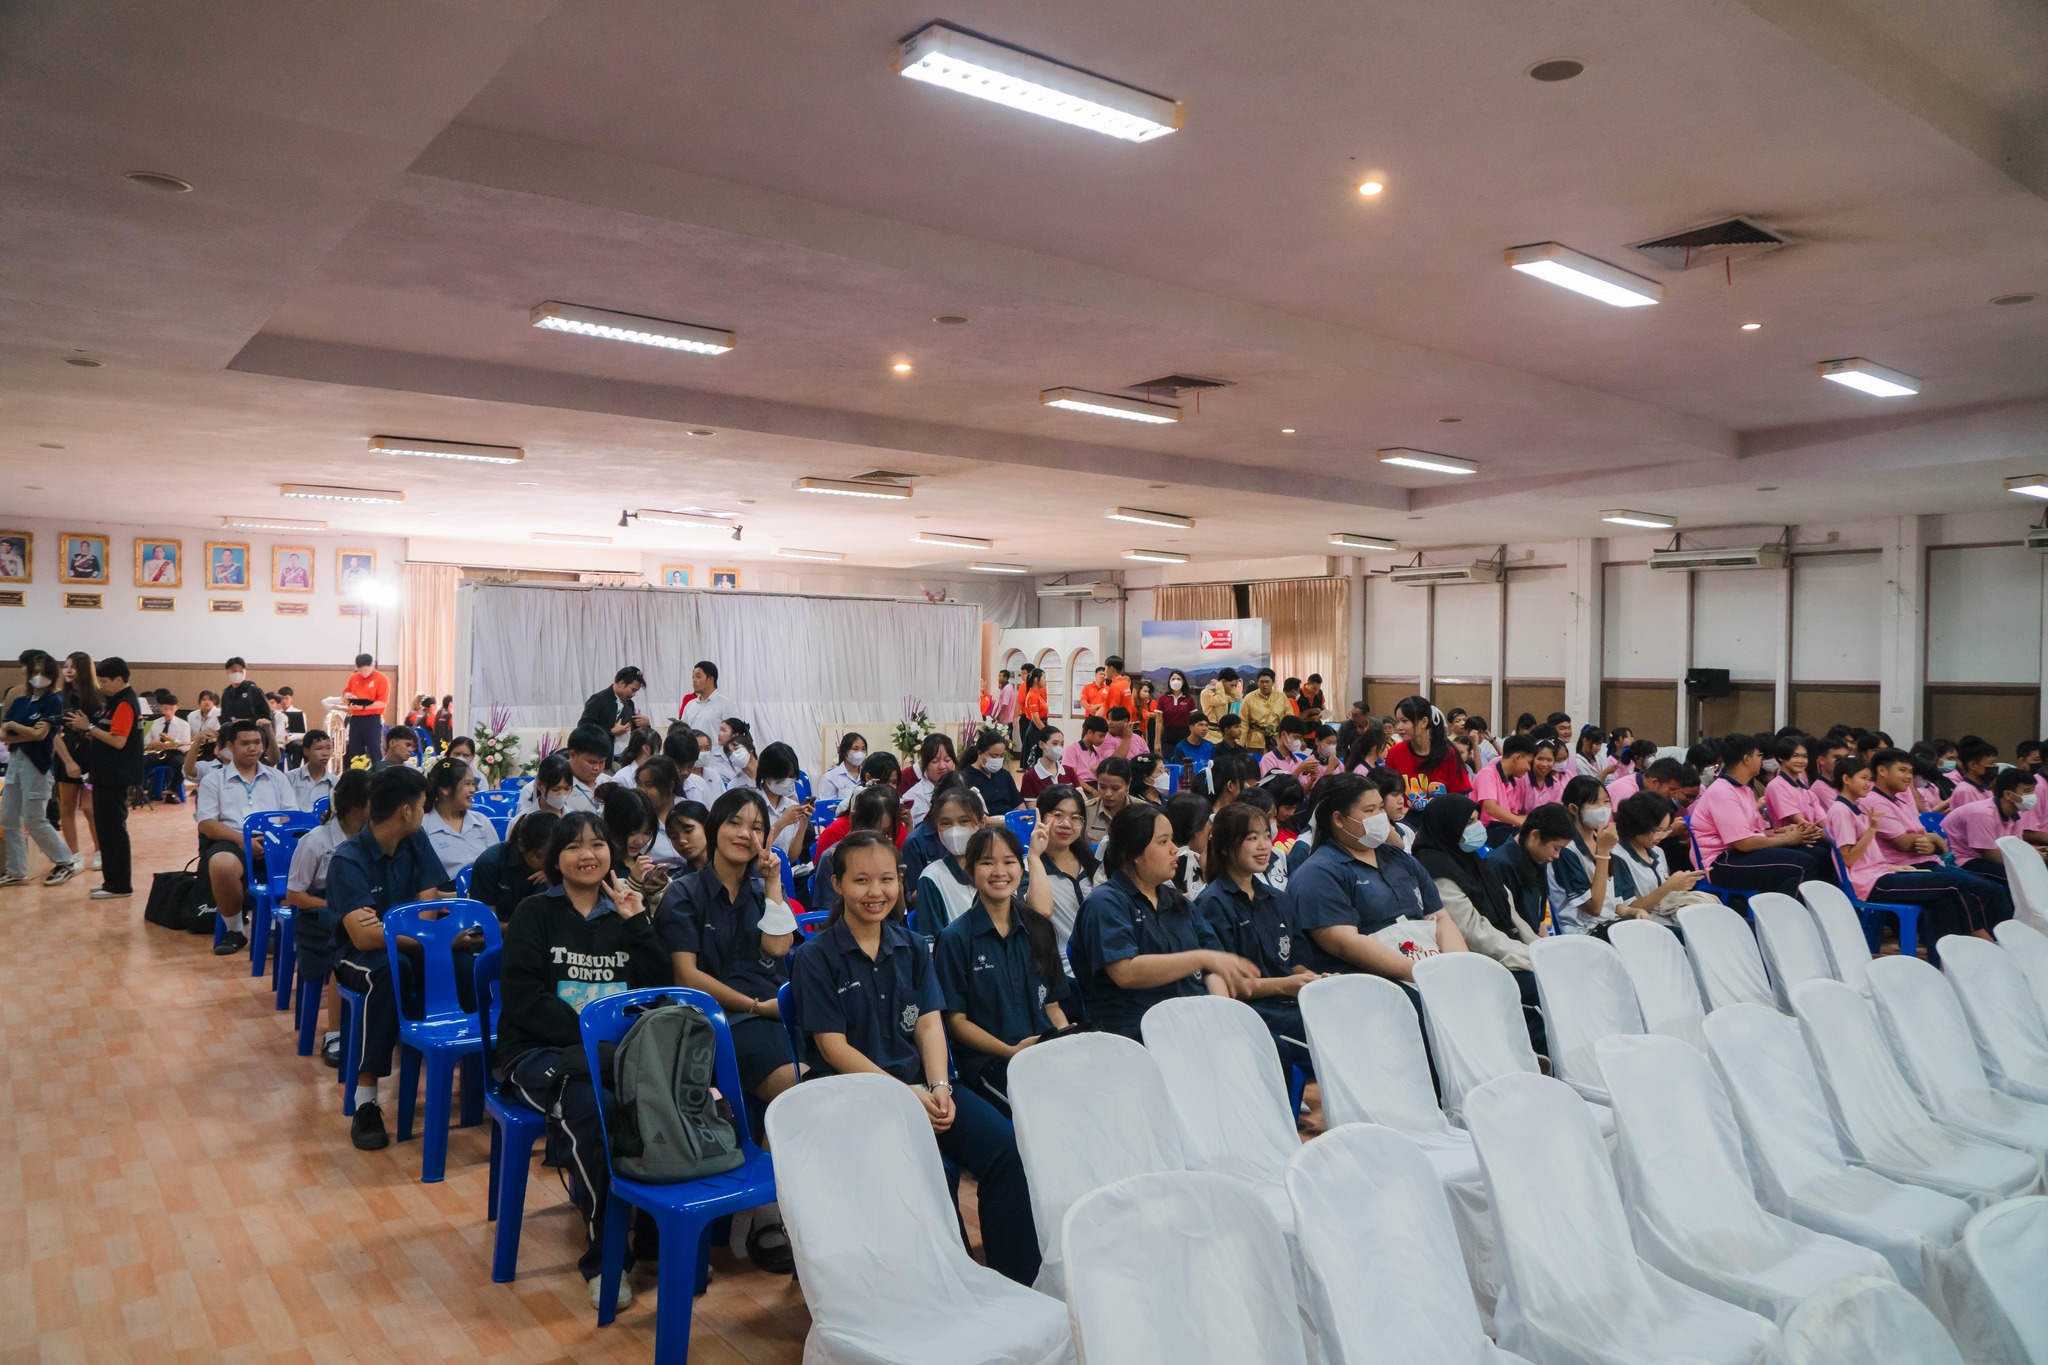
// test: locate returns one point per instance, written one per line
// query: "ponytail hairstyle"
(1422, 712)
(1045, 948)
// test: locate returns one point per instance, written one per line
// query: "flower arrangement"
(548, 743)
(497, 748)
(909, 732)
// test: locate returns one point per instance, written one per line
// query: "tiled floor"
(177, 1184)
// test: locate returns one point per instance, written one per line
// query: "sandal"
(768, 1248)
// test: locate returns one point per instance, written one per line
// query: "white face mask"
(854, 758)
(2026, 803)
(735, 750)
(1055, 752)
(1160, 781)
(234, 679)
(553, 802)
(954, 840)
(1376, 830)
(1770, 765)
(992, 764)
(781, 786)
(1596, 817)
(1173, 684)
(39, 682)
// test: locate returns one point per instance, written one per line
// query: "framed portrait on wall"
(159, 563)
(227, 564)
(353, 568)
(81, 558)
(725, 578)
(675, 575)
(291, 568)
(17, 557)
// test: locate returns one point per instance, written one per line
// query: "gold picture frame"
(676, 575)
(17, 556)
(725, 580)
(154, 570)
(82, 558)
(227, 566)
(352, 566)
(291, 568)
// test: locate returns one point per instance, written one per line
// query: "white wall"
(1984, 614)
(1467, 639)
(1539, 612)
(1643, 632)
(1737, 621)
(1835, 604)
(1393, 629)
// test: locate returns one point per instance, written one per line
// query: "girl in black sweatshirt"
(588, 935)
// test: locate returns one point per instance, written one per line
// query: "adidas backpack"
(670, 1124)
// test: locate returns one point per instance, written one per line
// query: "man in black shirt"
(612, 710)
(244, 700)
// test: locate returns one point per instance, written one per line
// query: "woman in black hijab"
(1475, 895)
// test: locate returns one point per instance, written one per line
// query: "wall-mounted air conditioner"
(1740, 557)
(1442, 575)
(2037, 538)
(1099, 592)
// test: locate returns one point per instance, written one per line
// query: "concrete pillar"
(1582, 643)
(1902, 630)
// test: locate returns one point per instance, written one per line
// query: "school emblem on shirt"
(981, 962)
(1041, 996)
(909, 1018)
(1286, 946)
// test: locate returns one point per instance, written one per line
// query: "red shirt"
(1449, 770)
(367, 696)
(1034, 705)
(843, 826)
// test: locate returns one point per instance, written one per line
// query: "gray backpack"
(669, 1125)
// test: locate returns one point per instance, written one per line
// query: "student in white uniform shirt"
(706, 705)
(582, 762)
(231, 791)
(317, 772)
(840, 783)
(306, 890)
(731, 759)
(685, 748)
(790, 818)
(459, 832)
(206, 719)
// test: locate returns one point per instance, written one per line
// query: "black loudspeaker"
(1707, 682)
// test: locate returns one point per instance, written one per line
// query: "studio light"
(1427, 459)
(952, 60)
(852, 488)
(327, 492)
(1110, 405)
(596, 322)
(1580, 273)
(1865, 377)
(1146, 518)
(1651, 521)
(445, 450)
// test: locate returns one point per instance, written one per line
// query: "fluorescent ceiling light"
(1110, 405)
(983, 566)
(445, 450)
(1429, 460)
(1353, 541)
(596, 322)
(957, 542)
(270, 524)
(852, 488)
(564, 538)
(1156, 556)
(703, 521)
(808, 554)
(1875, 380)
(1580, 273)
(2033, 485)
(1145, 518)
(1654, 521)
(327, 492)
(1009, 76)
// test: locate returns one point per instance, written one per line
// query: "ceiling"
(383, 191)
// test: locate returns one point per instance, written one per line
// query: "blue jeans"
(982, 1143)
(25, 815)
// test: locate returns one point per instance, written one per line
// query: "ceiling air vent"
(1178, 383)
(1733, 239)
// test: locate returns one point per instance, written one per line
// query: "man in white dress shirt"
(706, 705)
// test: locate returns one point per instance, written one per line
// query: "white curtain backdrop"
(789, 665)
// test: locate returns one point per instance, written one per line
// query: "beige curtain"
(426, 642)
(1307, 617)
(1193, 602)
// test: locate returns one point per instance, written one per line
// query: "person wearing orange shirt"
(1094, 695)
(366, 693)
(1119, 693)
(1033, 712)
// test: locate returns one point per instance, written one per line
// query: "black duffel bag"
(175, 899)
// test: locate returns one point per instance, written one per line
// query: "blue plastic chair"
(1930, 821)
(811, 921)
(682, 1213)
(823, 812)
(803, 786)
(351, 1003)
(514, 783)
(785, 1006)
(1022, 821)
(788, 875)
(462, 880)
(500, 802)
(1734, 900)
(321, 805)
(1872, 913)
(445, 1035)
(255, 890)
(515, 1128)
(166, 782)
(279, 846)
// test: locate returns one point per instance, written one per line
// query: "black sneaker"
(366, 1131)
(330, 1052)
(232, 942)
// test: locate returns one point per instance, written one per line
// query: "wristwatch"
(936, 1086)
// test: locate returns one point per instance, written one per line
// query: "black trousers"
(575, 1139)
(367, 971)
(110, 823)
(365, 736)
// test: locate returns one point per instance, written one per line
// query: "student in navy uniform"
(727, 928)
(1067, 861)
(1251, 920)
(313, 923)
(1138, 941)
(990, 776)
(998, 964)
(391, 862)
(945, 888)
(869, 1001)
(1359, 883)
(512, 869)
(587, 936)
(923, 845)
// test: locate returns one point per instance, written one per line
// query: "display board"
(1202, 649)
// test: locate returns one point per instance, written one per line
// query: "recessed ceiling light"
(1350, 540)
(2009, 300)
(1009, 76)
(597, 322)
(445, 450)
(851, 488)
(1429, 460)
(564, 538)
(1370, 188)
(984, 566)
(158, 181)
(1287, 431)
(901, 367)
(957, 542)
(1110, 405)
(2033, 485)
(270, 524)
(1582, 274)
(829, 555)
(949, 319)
(83, 362)
(328, 492)
(1867, 377)
(1145, 518)
(1653, 521)
(1556, 69)
(1156, 556)
(1752, 326)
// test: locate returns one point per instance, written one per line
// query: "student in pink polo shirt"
(1548, 773)
(1737, 850)
(1951, 900)
(1826, 752)
(1628, 776)
(1789, 795)
(1497, 789)
(1976, 761)
(1973, 830)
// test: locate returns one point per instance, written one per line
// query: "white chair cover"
(1667, 991)
(1180, 1266)
(2012, 1037)
(1689, 1193)
(2029, 948)
(1880, 1119)
(1724, 955)
(1089, 1110)
(877, 1244)
(1576, 1291)
(1587, 996)
(1924, 1022)
(2005, 1321)
(1473, 1011)
(1791, 942)
(2027, 877)
(1866, 1322)
(1387, 1280)
(1797, 1157)
(1842, 930)
(1371, 1068)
